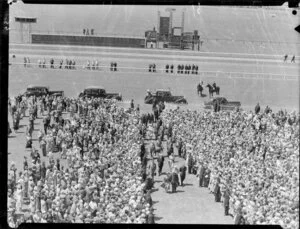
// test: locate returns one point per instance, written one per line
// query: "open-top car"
(39, 90)
(163, 95)
(99, 92)
(224, 104)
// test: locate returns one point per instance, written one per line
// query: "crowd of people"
(102, 180)
(248, 160)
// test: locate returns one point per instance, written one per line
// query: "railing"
(132, 70)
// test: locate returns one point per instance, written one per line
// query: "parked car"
(99, 92)
(39, 90)
(164, 95)
(224, 104)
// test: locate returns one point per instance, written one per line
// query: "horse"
(213, 89)
(216, 88)
(199, 89)
(210, 90)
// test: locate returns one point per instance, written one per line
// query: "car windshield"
(36, 89)
(94, 91)
(163, 93)
(223, 100)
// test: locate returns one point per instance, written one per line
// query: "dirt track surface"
(275, 93)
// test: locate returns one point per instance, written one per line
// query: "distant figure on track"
(153, 68)
(28, 62)
(293, 59)
(200, 89)
(285, 57)
(167, 68)
(61, 63)
(52, 63)
(96, 65)
(67, 62)
(25, 61)
(88, 64)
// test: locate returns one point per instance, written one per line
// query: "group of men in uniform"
(113, 66)
(70, 64)
(171, 67)
(187, 69)
(93, 65)
(152, 68)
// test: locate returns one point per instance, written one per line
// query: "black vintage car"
(39, 90)
(224, 104)
(99, 92)
(164, 95)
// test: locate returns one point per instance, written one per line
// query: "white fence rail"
(107, 68)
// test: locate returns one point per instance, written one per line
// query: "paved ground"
(189, 205)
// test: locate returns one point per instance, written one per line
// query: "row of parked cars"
(159, 95)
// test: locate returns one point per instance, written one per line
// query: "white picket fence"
(132, 70)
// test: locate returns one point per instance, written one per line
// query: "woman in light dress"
(19, 198)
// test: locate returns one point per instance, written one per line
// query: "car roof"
(164, 90)
(36, 86)
(94, 87)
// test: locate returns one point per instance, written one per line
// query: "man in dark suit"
(182, 172)
(257, 108)
(174, 181)
(171, 68)
(217, 191)
(178, 68)
(179, 147)
(160, 161)
(226, 201)
(143, 151)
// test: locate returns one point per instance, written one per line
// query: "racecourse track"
(266, 83)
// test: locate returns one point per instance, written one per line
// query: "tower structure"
(170, 10)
